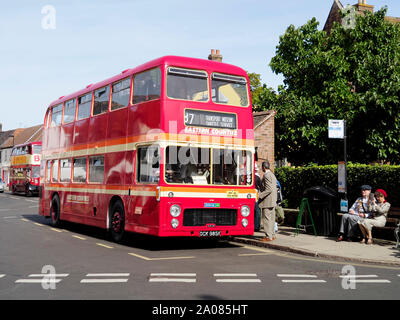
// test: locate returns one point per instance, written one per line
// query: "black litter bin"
(324, 205)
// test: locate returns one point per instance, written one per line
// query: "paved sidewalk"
(381, 252)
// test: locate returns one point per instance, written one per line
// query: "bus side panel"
(98, 128)
(53, 135)
(114, 168)
(143, 214)
(98, 206)
(117, 124)
(129, 169)
(81, 132)
(143, 117)
(67, 135)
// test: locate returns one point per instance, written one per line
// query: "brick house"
(264, 132)
(360, 7)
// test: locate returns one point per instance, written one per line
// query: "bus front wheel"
(117, 222)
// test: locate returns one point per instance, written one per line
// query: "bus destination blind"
(201, 118)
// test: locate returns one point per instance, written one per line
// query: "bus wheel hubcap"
(116, 222)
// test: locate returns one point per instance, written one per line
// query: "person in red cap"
(379, 209)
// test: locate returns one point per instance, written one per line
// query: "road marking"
(46, 278)
(353, 278)
(105, 246)
(78, 237)
(104, 280)
(38, 224)
(236, 280)
(155, 259)
(10, 217)
(360, 276)
(235, 275)
(2, 276)
(253, 254)
(171, 280)
(33, 206)
(173, 277)
(26, 220)
(38, 280)
(303, 281)
(107, 275)
(55, 275)
(296, 276)
(34, 201)
(369, 281)
(56, 230)
(299, 280)
(173, 274)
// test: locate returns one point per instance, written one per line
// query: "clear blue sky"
(94, 40)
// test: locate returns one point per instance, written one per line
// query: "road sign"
(336, 129)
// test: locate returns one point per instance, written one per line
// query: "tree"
(353, 74)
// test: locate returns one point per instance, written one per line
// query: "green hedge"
(294, 180)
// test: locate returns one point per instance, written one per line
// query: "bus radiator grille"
(201, 217)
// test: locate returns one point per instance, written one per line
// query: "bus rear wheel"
(55, 212)
(117, 222)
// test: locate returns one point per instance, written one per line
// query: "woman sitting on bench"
(379, 211)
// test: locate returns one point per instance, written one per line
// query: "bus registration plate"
(212, 233)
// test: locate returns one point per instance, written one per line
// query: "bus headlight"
(174, 223)
(245, 223)
(245, 211)
(175, 210)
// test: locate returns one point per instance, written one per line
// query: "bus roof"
(184, 62)
(27, 144)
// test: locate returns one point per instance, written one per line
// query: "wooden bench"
(392, 220)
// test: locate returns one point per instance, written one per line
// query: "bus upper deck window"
(56, 115)
(120, 94)
(101, 100)
(147, 86)
(185, 84)
(84, 106)
(69, 111)
(229, 90)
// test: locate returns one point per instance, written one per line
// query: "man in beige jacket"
(267, 201)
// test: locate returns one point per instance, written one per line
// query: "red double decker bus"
(25, 162)
(165, 149)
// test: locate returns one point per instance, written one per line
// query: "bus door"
(145, 205)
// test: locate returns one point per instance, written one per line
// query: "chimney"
(363, 6)
(215, 56)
